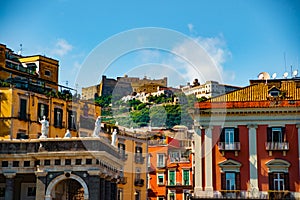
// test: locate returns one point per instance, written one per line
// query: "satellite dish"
(274, 76)
(295, 73)
(263, 76)
(285, 75)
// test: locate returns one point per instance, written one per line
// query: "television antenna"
(285, 75)
(274, 76)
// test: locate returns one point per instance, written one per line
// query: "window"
(78, 162)
(47, 73)
(276, 134)
(160, 160)
(27, 163)
(229, 139)
(28, 191)
(172, 177)
(160, 178)
(139, 155)
(43, 110)
(230, 180)
(160, 198)
(121, 149)
(137, 195)
(137, 173)
(46, 162)
(274, 93)
(58, 115)
(72, 120)
(186, 177)
(4, 163)
(15, 163)
(172, 195)
(88, 161)
(57, 162)
(31, 191)
(23, 109)
(68, 162)
(186, 194)
(174, 156)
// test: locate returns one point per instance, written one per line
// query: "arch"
(63, 177)
(230, 165)
(278, 165)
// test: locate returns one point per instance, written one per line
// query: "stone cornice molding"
(9, 174)
(252, 126)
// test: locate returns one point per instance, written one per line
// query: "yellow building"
(132, 147)
(29, 90)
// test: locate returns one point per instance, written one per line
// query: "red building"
(170, 167)
(247, 142)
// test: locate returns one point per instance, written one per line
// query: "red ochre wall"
(291, 156)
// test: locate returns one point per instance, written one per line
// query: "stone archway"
(61, 178)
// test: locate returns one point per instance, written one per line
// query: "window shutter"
(236, 135)
(238, 181)
(55, 116)
(61, 117)
(39, 112)
(283, 134)
(269, 134)
(223, 181)
(271, 179)
(286, 181)
(222, 136)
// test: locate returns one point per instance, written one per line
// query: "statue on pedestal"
(97, 129)
(114, 137)
(45, 127)
(68, 134)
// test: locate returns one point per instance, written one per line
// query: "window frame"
(169, 176)
(163, 177)
(183, 176)
(163, 164)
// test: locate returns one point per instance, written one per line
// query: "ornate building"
(247, 142)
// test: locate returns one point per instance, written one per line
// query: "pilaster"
(253, 159)
(208, 162)
(298, 127)
(40, 184)
(198, 161)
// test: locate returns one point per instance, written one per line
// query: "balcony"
(224, 146)
(277, 146)
(157, 142)
(138, 158)
(123, 155)
(279, 194)
(178, 159)
(139, 182)
(231, 194)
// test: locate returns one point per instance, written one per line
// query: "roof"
(257, 91)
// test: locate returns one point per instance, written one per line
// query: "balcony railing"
(139, 182)
(279, 194)
(157, 142)
(123, 155)
(179, 159)
(231, 194)
(234, 146)
(271, 146)
(139, 159)
(23, 116)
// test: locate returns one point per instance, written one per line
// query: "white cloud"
(62, 47)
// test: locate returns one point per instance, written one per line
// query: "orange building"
(247, 142)
(170, 167)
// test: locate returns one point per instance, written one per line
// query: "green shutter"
(171, 177)
(186, 177)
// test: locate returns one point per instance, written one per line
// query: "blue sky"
(242, 38)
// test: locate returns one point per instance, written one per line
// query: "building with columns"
(70, 168)
(247, 142)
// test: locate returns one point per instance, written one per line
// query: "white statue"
(114, 137)
(68, 134)
(45, 127)
(97, 127)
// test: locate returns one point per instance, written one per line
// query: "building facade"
(49, 169)
(208, 89)
(247, 142)
(170, 166)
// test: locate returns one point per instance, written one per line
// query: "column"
(113, 191)
(253, 159)
(9, 185)
(107, 189)
(40, 185)
(94, 184)
(208, 162)
(198, 161)
(102, 188)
